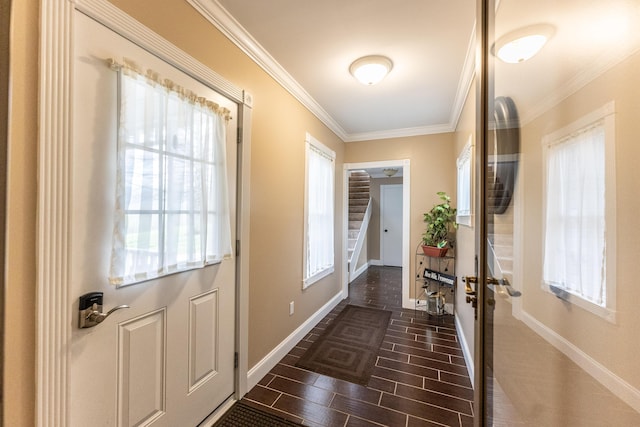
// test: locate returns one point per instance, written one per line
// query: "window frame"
(606, 115)
(162, 158)
(313, 143)
(464, 196)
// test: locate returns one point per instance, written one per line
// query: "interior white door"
(168, 360)
(391, 224)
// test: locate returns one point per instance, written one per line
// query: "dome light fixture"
(522, 44)
(370, 70)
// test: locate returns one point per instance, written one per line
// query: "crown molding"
(466, 78)
(227, 24)
(598, 67)
(217, 15)
(399, 133)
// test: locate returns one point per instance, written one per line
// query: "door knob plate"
(90, 310)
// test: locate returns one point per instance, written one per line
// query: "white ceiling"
(307, 46)
(314, 42)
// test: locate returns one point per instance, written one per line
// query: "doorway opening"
(369, 251)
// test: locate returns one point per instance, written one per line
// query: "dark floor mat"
(348, 348)
(244, 415)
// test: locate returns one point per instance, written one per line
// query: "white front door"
(391, 224)
(168, 360)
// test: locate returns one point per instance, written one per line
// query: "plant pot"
(434, 251)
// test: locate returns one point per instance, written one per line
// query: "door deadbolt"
(90, 307)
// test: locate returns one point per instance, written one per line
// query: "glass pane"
(142, 176)
(182, 239)
(561, 332)
(179, 125)
(142, 112)
(180, 186)
(142, 244)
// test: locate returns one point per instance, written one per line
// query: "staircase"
(359, 186)
(500, 230)
(496, 193)
(501, 240)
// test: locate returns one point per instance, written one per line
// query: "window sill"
(466, 220)
(604, 312)
(316, 277)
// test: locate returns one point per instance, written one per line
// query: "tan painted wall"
(465, 236)
(277, 180)
(432, 169)
(19, 340)
(615, 346)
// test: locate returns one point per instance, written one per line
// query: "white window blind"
(319, 212)
(574, 244)
(171, 210)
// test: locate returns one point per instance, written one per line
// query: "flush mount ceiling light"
(522, 44)
(370, 70)
(390, 172)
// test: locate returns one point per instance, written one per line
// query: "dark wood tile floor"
(420, 378)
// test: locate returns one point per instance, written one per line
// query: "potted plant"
(440, 220)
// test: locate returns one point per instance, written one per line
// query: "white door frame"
(55, 306)
(406, 224)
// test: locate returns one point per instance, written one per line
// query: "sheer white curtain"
(574, 244)
(320, 213)
(172, 210)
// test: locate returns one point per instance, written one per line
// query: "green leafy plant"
(440, 220)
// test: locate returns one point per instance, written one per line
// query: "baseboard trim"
(257, 372)
(619, 387)
(375, 262)
(413, 306)
(466, 351)
(358, 272)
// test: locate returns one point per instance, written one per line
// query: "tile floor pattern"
(420, 378)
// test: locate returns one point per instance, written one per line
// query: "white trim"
(466, 351)
(114, 18)
(243, 235)
(317, 277)
(312, 143)
(606, 115)
(606, 313)
(618, 386)
(262, 368)
(418, 304)
(399, 133)
(406, 216)
(357, 250)
(588, 119)
(519, 208)
(309, 139)
(227, 24)
(565, 90)
(376, 262)
(54, 196)
(359, 271)
(345, 231)
(466, 78)
(466, 155)
(219, 17)
(53, 329)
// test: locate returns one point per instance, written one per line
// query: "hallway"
(420, 378)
